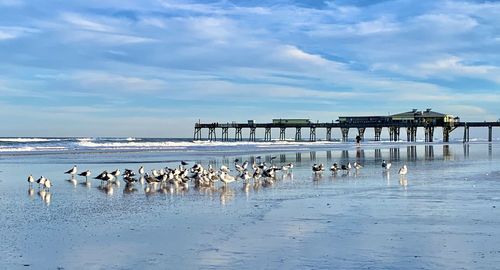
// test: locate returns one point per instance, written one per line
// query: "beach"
(444, 214)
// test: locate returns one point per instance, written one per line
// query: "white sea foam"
(32, 149)
(28, 140)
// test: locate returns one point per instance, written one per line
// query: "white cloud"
(13, 32)
(11, 3)
(85, 23)
(109, 81)
(293, 52)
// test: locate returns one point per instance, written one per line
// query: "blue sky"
(153, 68)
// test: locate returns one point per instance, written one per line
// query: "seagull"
(41, 181)
(226, 178)
(116, 173)
(72, 171)
(224, 168)
(403, 170)
(101, 175)
(318, 168)
(85, 173)
(245, 165)
(31, 180)
(386, 165)
(357, 166)
(129, 172)
(334, 168)
(287, 167)
(184, 163)
(141, 170)
(346, 167)
(245, 176)
(47, 184)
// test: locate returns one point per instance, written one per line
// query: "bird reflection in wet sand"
(45, 196)
(86, 184)
(107, 188)
(246, 187)
(387, 176)
(72, 181)
(31, 192)
(403, 181)
(226, 194)
(129, 189)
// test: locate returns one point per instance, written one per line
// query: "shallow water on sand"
(443, 215)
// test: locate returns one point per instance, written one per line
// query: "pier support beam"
(252, 134)
(378, 132)
(429, 134)
(267, 134)
(345, 134)
(361, 133)
(197, 134)
(282, 133)
(225, 136)
(298, 134)
(490, 133)
(312, 134)
(394, 133)
(328, 133)
(211, 134)
(411, 134)
(238, 136)
(466, 133)
(446, 133)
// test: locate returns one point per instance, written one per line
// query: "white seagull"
(386, 165)
(86, 174)
(31, 180)
(403, 170)
(47, 184)
(72, 171)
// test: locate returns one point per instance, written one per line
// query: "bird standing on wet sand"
(41, 181)
(72, 171)
(346, 167)
(86, 174)
(141, 170)
(357, 166)
(386, 165)
(226, 178)
(318, 168)
(334, 168)
(31, 180)
(47, 185)
(403, 170)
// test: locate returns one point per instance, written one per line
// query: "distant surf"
(30, 145)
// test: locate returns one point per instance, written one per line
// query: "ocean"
(443, 215)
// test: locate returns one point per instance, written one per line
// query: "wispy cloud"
(13, 32)
(265, 56)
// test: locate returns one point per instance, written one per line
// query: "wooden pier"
(427, 120)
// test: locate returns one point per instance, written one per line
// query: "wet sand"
(443, 215)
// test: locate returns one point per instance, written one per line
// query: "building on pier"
(410, 121)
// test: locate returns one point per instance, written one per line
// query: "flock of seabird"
(179, 178)
(319, 168)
